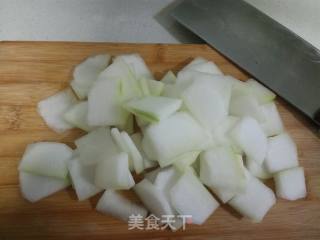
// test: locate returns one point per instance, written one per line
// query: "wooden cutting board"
(31, 71)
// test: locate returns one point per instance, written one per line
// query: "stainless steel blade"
(274, 55)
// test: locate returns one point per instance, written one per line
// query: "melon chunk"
(113, 173)
(169, 78)
(189, 197)
(185, 160)
(46, 159)
(282, 153)
(262, 94)
(118, 206)
(77, 115)
(95, 146)
(206, 67)
(153, 109)
(36, 187)
(87, 72)
(172, 137)
(290, 184)
(53, 108)
(249, 136)
(259, 171)
(273, 123)
(255, 202)
(82, 178)
(166, 178)
(155, 87)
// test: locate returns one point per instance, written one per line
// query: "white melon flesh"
(282, 153)
(113, 173)
(166, 178)
(255, 202)
(155, 87)
(35, 187)
(153, 109)
(205, 103)
(137, 64)
(172, 137)
(220, 168)
(153, 198)
(259, 171)
(249, 136)
(82, 178)
(128, 126)
(104, 104)
(46, 159)
(95, 146)
(223, 194)
(273, 123)
(53, 108)
(195, 61)
(151, 176)
(77, 115)
(134, 153)
(169, 78)
(290, 184)
(189, 197)
(143, 83)
(87, 72)
(262, 94)
(206, 67)
(118, 206)
(185, 160)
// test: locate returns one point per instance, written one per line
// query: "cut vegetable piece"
(113, 173)
(35, 187)
(151, 176)
(220, 134)
(82, 178)
(87, 72)
(53, 108)
(255, 202)
(172, 137)
(282, 153)
(249, 136)
(134, 153)
(257, 170)
(104, 105)
(169, 78)
(95, 146)
(290, 184)
(128, 126)
(119, 207)
(190, 197)
(137, 64)
(223, 194)
(46, 159)
(147, 163)
(196, 98)
(220, 168)
(206, 67)
(166, 178)
(185, 160)
(273, 123)
(153, 198)
(153, 109)
(195, 61)
(155, 87)
(246, 106)
(77, 116)
(262, 94)
(143, 83)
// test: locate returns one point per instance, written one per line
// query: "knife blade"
(273, 54)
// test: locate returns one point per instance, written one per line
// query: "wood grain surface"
(31, 71)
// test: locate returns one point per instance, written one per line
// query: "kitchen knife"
(273, 54)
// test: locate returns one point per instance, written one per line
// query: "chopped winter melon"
(166, 178)
(262, 94)
(77, 116)
(206, 67)
(189, 197)
(273, 123)
(249, 136)
(259, 171)
(220, 168)
(46, 159)
(104, 105)
(82, 178)
(195, 61)
(128, 126)
(255, 202)
(185, 160)
(137, 64)
(151, 176)
(143, 83)
(172, 137)
(118, 206)
(36, 187)
(282, 153)
(155, 87)
(290, 184)
(153, 108)
(52, 109)
(95, 146)
(169, 78)
(113, 173)
(87, 72)
(223, 194)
